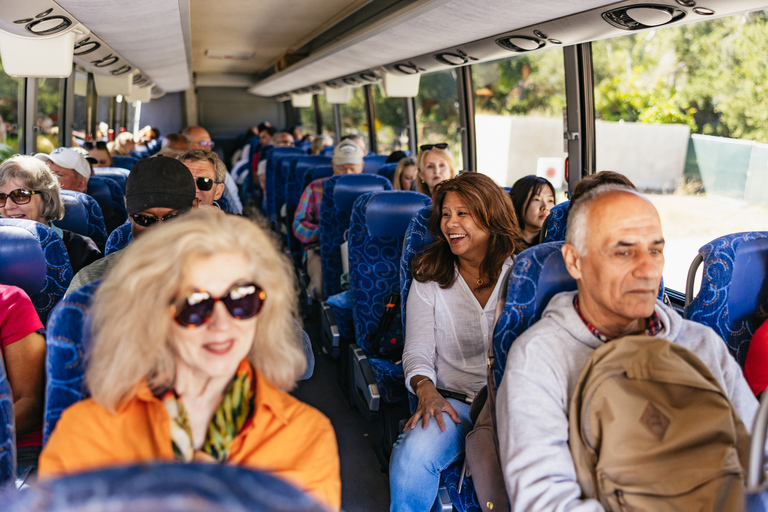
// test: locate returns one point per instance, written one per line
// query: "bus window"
(50, 99)
(692, 137)
(79, 109)
(519, 117)
(391, 122)
(308, 121)
(9, 114)
(326, 111)
(352, 114)
(437, 112)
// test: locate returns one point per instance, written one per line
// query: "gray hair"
(34, 175)
(576, 232)
(201, 155)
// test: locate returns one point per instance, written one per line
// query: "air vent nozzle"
(642, 16)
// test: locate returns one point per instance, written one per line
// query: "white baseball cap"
(347, 152)
(69, 159)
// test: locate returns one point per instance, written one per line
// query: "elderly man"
(209, 173)
(615, 250)
(174, 142)
(158, 189)
(199, 138)
(357, 139)
(347, 159)
(70, 167)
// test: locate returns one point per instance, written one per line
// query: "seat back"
(537, 275)
(66, 341)
(339, 195)
(119, 238)
(377, 230)
(740, 259)
(83, 216)
(327, 151)
(372, 163)
(119, 175)
(293, 189)
(275, 183)
(34, 258)
(7, 430)
(125, 162)
(284, 164)
(315, 173)
(556, 222)
(108, 194)
(417, 237)
(388, 171)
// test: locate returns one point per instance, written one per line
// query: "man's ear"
(82, 183)
(219, 191)
(572, 260)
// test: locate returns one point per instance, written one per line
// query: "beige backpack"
(652, 430)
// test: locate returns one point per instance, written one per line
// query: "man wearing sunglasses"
(199, 138)
(209, 173)
(69, 166)
(158, 189)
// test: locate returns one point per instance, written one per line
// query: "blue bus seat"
(34, 258)
(339, 195)
(555, 224)
(285, 164)
(294, 186)
(125, 162)
(315, 173)
(223, 204)
(83, 216)
(740, 259)
(372, 163)
(327, 151)
(388, 171)
(7, 431)
(276, 185)
(116, 173)
(119, 238)
(108, 194)
(163, 487)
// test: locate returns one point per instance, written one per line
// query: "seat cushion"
(390, 379)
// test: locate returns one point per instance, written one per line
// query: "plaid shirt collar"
(653, 325)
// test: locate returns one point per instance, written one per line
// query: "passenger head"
(198, 137)
(614, 249)
(99, 152)
(357, 139)
(319, 143)
(69, 167)
(297, 132)
(472, 218)
(29, 190)
(532, 197)
(175, 142)
(135, 334)
(88, 158)
(405, 174)
(395, 156)
(283, 140)
(157, 190)
(434, 164)
(209, 173)
(125, 142)
(593, 181)
(266, 134)
(347, 158)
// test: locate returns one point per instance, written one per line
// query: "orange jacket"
(286, 438)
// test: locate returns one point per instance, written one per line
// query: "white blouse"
(447, 334)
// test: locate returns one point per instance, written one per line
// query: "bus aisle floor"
(364, 486)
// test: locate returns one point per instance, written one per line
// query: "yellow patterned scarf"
(235, 410)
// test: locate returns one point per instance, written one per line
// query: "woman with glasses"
(193, 350)
(449, 324)
(28, 190)
(100, 152)
(434, 164)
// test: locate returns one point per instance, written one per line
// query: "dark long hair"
(523, 191)
(492, 209)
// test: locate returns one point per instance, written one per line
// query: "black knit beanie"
(159, 182)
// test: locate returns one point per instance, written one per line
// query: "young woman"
(449, 324)
(405, 174)
(532, 197)
(434, 164)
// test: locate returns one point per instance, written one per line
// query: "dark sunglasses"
(147, 220)
(427, 147)
(98, 145)
(18, 196)
(204, 184)
(243, 301)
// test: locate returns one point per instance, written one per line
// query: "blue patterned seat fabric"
(46, 278)
(466, 500)
(556, 222)
(83, 216)
(66, 342)
(165, 487)
(294, 186)
(119, 238)
(125, 162)
(274, 181)
(372, 163)
(108, 194)
(7, 431)
(740, 259)
(376, 232)
(388, 171)
(120, 176)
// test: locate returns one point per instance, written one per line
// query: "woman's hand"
(431, 403)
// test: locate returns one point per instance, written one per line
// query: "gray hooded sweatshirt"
(543, 366)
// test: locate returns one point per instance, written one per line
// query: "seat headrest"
(22, 262)
(389, 213)
(553, 278)
(349, 187)
(748, 289)
(372, 163)
(76, 215)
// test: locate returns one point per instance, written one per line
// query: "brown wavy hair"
(492, 209)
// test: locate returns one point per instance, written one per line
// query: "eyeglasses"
(147, 220)
(98, 145)
(18, 196)
(206, 144)
(243, 301)
(427, 147)
(204, 184)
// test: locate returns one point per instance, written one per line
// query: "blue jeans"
(419, 456)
